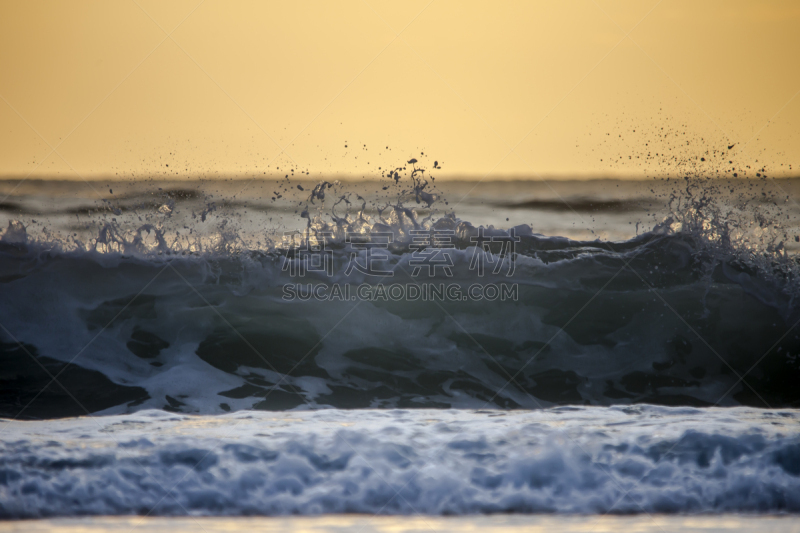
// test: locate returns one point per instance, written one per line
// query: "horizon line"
(353, 178)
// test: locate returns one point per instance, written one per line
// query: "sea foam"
(645, 459)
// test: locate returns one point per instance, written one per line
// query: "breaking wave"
(159, 311)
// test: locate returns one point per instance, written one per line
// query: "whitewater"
(641, 459)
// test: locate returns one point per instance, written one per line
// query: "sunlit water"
(382, 524)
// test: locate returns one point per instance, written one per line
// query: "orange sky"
(512, 89)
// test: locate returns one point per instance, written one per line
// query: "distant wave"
(575, 204)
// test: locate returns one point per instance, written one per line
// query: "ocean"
(574, 354)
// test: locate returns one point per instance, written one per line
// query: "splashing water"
(187, 290)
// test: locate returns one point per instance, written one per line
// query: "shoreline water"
(416, 524)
